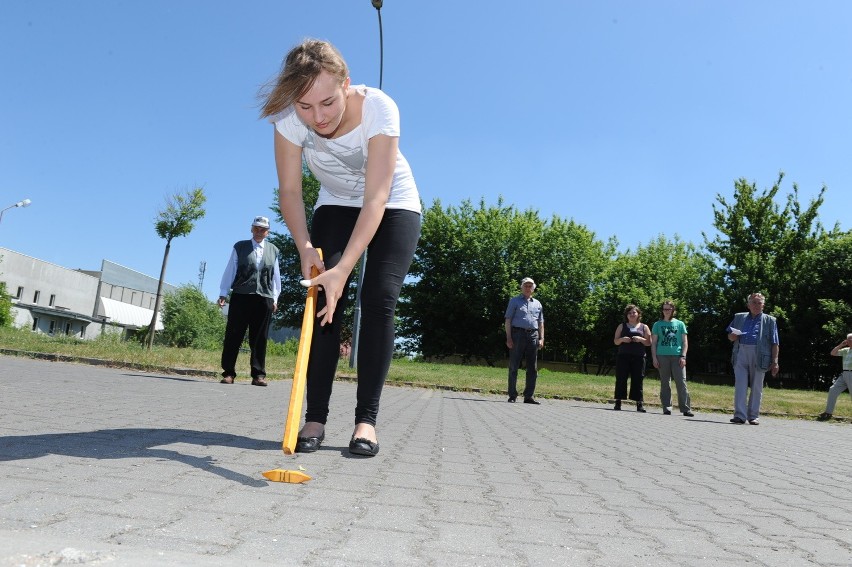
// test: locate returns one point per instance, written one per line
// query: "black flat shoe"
(363, 447)
(737, 420)
(667, 412)
(532, 401)
(309, 444)
(688, 414)
(641, 408)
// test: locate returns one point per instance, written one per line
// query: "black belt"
(526, 330)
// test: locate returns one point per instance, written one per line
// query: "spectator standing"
(524, 323)
(754, 335)
(252, 276)
(631, 337)
(669, 345)
(844, 381)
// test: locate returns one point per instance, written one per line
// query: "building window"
(52, 327)
(20, 293)
(52, 299)
(67, 328)
(35, 323)
(36, 296)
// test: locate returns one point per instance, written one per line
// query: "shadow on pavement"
(163, 377)
(133, 443)
(488, 400)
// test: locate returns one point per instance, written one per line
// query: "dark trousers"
(631, 365)
(389, 256)
(253, 312)
(525, 347)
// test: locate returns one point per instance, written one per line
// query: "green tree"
(662, 269)
(823, 315)
(176, 219)
(192, 320)
(570, 265)
(431, 302)
(469, 263)
(764, 247)
(5, 306)
(761, 246)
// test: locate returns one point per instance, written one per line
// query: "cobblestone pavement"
(106, 466)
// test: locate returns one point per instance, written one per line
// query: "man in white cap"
(524, 336)
(254, 280)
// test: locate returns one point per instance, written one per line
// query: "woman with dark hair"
(631, 337)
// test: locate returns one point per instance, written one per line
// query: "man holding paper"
(754, 335)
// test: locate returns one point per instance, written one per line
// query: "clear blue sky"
(628, 117)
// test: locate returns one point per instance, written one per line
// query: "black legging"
(389, 256)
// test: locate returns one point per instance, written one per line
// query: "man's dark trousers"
(525, 346)
(250, 311)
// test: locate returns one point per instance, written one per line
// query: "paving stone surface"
(104, 466)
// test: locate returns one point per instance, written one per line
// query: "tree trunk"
(152, 328)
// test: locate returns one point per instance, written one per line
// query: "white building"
(55, 300)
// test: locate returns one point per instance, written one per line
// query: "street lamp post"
(24, 203)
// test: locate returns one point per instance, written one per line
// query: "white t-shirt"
(340, 164)
(846, 353)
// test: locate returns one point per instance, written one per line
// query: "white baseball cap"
(527, 280)
(262, 222)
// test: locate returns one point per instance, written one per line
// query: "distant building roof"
(129, 315)
(116, 274)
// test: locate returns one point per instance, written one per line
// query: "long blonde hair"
(300, 69)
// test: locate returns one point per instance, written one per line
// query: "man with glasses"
(254, 280)
(669, 344)
(754, 335)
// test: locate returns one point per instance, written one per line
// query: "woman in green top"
(669, 344)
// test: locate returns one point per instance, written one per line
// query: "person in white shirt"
(844, 381)
(348, 136)
(253, 277)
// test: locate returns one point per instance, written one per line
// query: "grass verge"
(557, 385)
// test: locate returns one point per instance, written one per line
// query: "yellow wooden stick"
(281, 475)
(300, 373)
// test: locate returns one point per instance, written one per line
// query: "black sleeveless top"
(636, 349)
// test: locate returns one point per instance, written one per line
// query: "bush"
(192, 320)
(109, 338)
(5, 306)
(288, 348)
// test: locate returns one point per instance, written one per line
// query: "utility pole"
(356, 323)
(201, 269)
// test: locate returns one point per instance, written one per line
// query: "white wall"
(70, 291)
